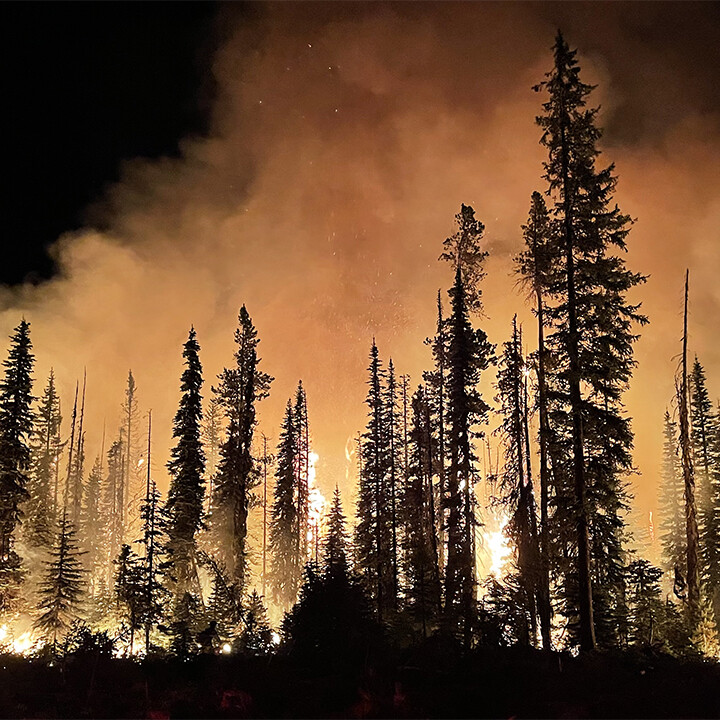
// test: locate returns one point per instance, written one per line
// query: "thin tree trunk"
(693, 582)
(544, 606)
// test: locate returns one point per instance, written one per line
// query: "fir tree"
(187, 468)
(592, 342)
(131, 493)
(240, 388)
(335, 550)
(62, 587)
(42, 485)
(469, 354)
(302, 472)
(286, 567)
(373, 538)
(16, 427)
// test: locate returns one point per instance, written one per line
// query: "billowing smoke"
(344, 138)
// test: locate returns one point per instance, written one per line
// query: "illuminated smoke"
(343, 140)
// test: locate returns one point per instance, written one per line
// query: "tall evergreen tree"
(469, 354)
(516, 478)
(704, 434)
(592, 341)
(302, 472)
(372, 541)
(420, 541)
(534, 265)
(16, 427)
(286, 567)
(436, 395)
(62, 585)
(95, 527)
(211, 438)
(239, 389)
(112, 500)
(393, 445)
(154, 540)
(187, 469)
(131, 481)
(46, 447)
(672, 512)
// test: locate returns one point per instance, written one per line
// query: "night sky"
(86, 86)
(308, 160)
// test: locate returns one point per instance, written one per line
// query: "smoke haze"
(344, 138)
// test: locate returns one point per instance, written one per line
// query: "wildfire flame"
(498, 548)
(316, 503)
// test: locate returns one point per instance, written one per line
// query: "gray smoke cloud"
(344, 138)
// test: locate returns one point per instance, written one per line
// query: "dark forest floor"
(489, 683)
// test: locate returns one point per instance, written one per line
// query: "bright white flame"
(23, 643)
(275, 638)
(226, 648)
(499, 548)
(316, 504)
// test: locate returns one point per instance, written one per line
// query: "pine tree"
(286, 567)
(240, 388)
(373, 538)
(62, 587)
(672, 513)
(592, 342)
(16, 427)
(335, 550)
(469, 354)
(42, 488)
(187, 468)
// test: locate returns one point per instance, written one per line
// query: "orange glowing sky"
(344, 138)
